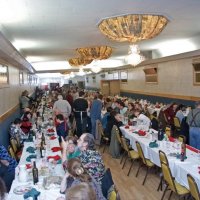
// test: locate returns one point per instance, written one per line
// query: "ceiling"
(51, 30)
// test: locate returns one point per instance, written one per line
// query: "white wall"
(9, 94)
(174, 78)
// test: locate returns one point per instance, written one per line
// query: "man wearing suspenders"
(193, 120)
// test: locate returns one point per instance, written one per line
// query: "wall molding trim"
(183, 97)
(8, 113)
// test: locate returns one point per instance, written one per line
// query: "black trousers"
(81, 126)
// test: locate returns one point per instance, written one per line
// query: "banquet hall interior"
(140, 59)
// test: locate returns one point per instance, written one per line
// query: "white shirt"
(63, 107)
(144, 120)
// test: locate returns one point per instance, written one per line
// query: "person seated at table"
(130, 111)
(3, 191)
(7, 167)
(114, 119)
(82, 191)
(26, 124)
(62, 127)
(90, 158)
(180, 112)
(16, 131)
(122, 108)
(76, 174)
(105, 117)
(70, 148)
(142, 119)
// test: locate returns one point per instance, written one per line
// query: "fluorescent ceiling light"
(175, 47)
(24, 44)
(54, 65)
(12, 11)
(33, 59)
(49, 75)
(108, 63)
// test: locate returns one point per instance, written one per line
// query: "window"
(21, 78)
(94, 79)
(116, 75)
(151, 75)
(87, 79)
(3, 75)
(124, 76)
(196, 67)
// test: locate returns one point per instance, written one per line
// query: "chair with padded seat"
(182, 138)
(14, 145)
(163, 158)
(177, 124)
(132, 154)
(146, 162)
(171, 183)
(104, 139)
(194, 191)
(11, 152)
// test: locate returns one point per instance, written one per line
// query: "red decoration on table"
(126, 127)
(192, 149)
(55, 149)
(50, 130)
(28, 166)
(141, 133)
(171, 139)
(56, 158)
(53, 137)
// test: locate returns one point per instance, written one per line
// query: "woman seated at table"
(76, 174)
(180, 112)
(142, 119)
(82, 191)
(7, 167)
(130, 112)
(26, 124)
(70, 148)
(114, 119)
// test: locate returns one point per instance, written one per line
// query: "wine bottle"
(35, 173)
(183, 151)
(43, 138)
(42, 150)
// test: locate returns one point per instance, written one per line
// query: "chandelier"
(133, 28)
(134, 57)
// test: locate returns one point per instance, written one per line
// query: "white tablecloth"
(45, 194)
(179, 169)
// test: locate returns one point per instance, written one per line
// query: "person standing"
(95, 112)
(80, 107)
(193, 119)
(62, 107)
(61, 128)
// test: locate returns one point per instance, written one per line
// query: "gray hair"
(89, 139)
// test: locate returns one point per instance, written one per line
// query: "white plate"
(22, 189)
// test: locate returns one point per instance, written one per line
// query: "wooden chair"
(104, 139)
(148, 164)
(72, 130)
(11, 152)
(172, 184)
(133, 155)
(163, 159)
(194, 191)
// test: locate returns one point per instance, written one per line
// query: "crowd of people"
(83, 164)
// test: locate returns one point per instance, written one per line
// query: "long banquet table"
(179, 169)
(51, 194)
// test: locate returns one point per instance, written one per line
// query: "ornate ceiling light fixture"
(95, 53)
(133, 28)
(76, 62)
